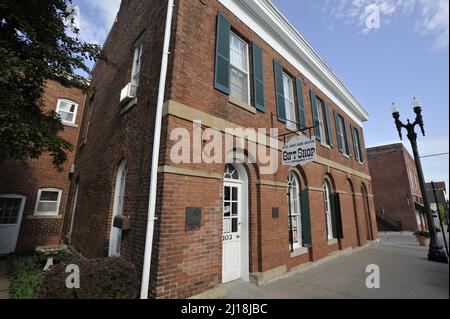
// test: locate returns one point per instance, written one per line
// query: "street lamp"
(436, 252)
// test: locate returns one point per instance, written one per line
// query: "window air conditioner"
(128, 93)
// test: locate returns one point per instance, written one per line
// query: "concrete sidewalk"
(404, 270)
(4, 280)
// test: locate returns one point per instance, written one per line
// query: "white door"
(11, 210)
(232, 214)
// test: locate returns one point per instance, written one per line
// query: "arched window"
(119, 198)
(294, 206)
(231, 172)
(328, 212)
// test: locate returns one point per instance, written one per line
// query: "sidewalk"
(405, 273)
(4, 280)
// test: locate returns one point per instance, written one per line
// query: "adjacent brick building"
(33, 195)
(396, 189)
(233, 64)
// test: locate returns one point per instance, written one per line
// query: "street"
(405, 273)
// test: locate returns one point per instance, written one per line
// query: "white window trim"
(328, 212)
(118, 207)
(291, 99)
(136, 68)
(246, 72)
(323, 133)
(299, 243)
(58, 203)
(74, 113)
(344, 135)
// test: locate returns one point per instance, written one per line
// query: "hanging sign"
(300, 151)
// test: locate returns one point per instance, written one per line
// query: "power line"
(434, 155)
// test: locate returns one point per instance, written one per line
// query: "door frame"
(244, 219)
(19, 219)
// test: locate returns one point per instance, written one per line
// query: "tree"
(38, 41)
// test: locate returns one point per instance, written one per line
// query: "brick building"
(396, 189)
(33, 196)
(232, 64)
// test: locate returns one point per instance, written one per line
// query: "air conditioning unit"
(128, 93)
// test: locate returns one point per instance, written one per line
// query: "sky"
(384, 51)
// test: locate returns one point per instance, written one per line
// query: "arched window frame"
(295, 211)
(327, 201)
(118, 207)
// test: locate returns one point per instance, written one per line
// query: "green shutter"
(337, 216)
(315, 114)
(300, 103)
(355, 143)
(258, 77)
(361, 154)
(306, 220)
(339, 132)
(281, 110)
(347, 136)
(222, 72)
(327, 120)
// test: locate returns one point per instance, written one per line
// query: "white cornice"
(270, 24)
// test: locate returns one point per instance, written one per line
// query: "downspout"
(155, 155)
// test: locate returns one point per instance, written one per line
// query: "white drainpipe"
(155, 155)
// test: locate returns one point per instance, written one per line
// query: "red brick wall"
(393, 192)
(39, 173)
(187, 263)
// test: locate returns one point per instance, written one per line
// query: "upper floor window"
(358, 145)
(137, 62)
(323, 122)
(239, 69)
(343, 135)
(289, 102)
(67, 110)
(48, 201)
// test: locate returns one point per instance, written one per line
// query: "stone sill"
(300, 251)
(69, 124)
(43, 217)
(328, 147)
(128, 107)
(332, 242)
(242, 105)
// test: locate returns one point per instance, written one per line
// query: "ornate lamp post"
(436, 252)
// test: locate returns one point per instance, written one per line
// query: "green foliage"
(105, 278)
(27, 275)
(36, 44)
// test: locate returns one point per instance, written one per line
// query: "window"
(289, 102)
(327, 206)
(294, 220)
(118, 209)
(67, 110)
(323, 123)
(137, 63)
(343, 135)
(358, 146)
(239, 77)
(48, 201)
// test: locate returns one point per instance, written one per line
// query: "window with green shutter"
(355, 143)
(306, 220)
(347, 137)
(337, 216)
(361, 154)
(222, 67)
(315, 115)
(279, 88)
(341, 133)
(258, 78)
(327, 124)
(300, 103)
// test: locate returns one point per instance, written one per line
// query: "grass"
(27, 274)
